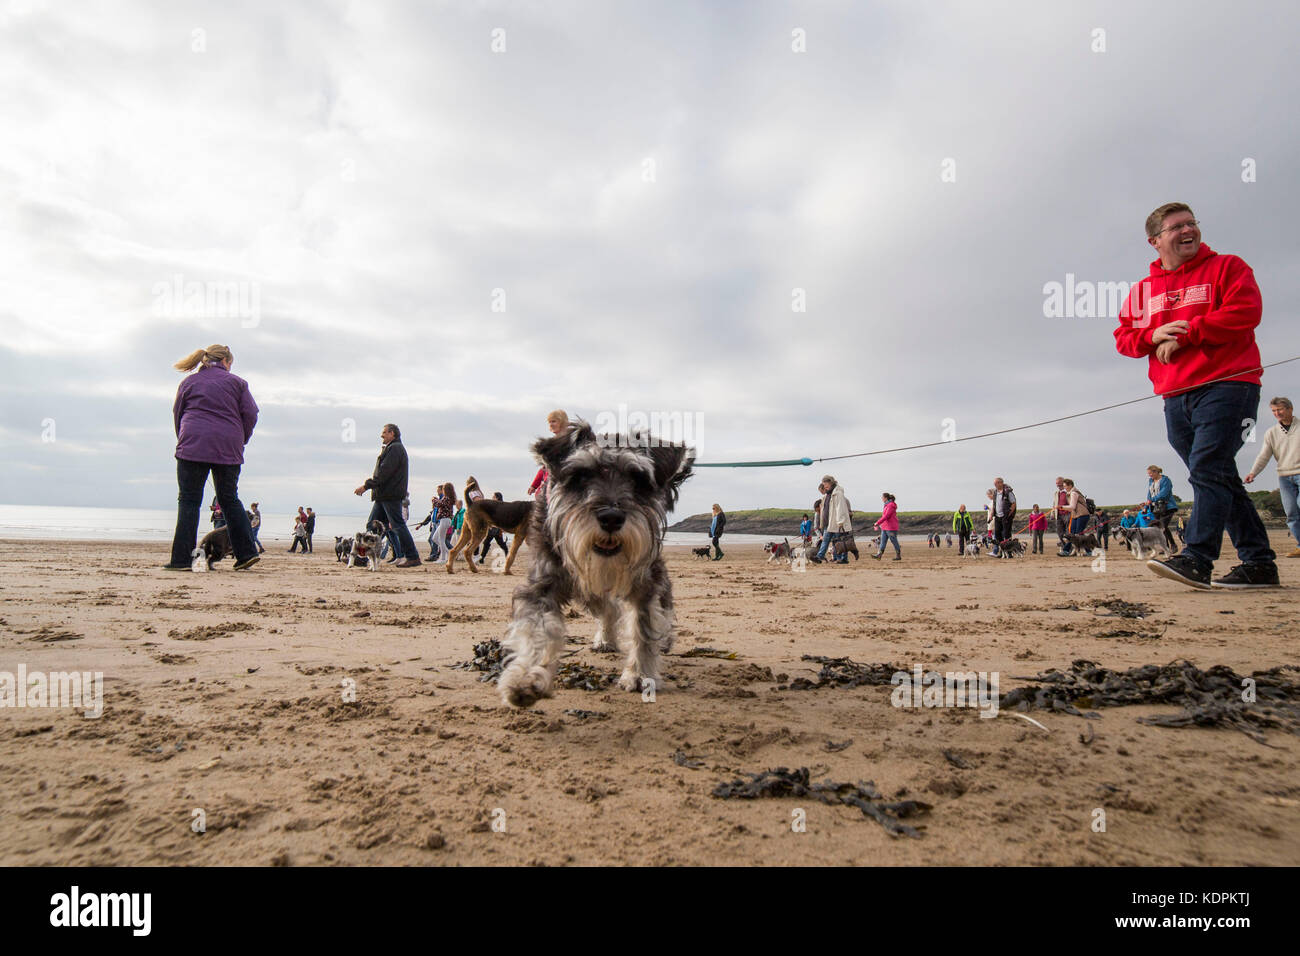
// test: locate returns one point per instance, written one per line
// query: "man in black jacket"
(387, 487)
(1004, 511)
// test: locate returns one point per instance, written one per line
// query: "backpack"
(1092, 505)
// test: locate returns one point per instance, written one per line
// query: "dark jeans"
(962, 538)
(191, 477)
(1002, 528)
(1206, 428)
(390, 512)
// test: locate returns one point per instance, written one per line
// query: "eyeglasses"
(1194, 223)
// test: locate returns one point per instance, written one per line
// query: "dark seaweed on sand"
(782, 782)
(1209, 698)
(843, 672)
(490, 658)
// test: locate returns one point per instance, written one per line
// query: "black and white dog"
(1011, 548)
(1082, 544)
(216, 545)
(599, 537)
(342, 547)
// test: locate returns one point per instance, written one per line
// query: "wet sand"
(223, 693)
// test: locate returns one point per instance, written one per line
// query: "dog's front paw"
(632, 682)
(523, 688)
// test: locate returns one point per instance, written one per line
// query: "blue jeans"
(828, 538)
(191, 477)
(885, 537)
(1206, 428)
(390, 513)
(1289, 487)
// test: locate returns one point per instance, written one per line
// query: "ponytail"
(212, 355)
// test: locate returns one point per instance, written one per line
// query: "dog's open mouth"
(607, 547)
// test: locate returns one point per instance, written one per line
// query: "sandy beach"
(223, 702)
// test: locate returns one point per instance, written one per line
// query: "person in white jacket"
(1282, 442)
(836, 519)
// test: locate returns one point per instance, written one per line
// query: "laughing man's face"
(1179, 238)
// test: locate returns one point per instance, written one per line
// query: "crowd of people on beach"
(1193, 319)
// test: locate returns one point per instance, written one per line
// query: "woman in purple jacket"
(215, 416)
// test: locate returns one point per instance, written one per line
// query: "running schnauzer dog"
(599, 538)
(342, 548)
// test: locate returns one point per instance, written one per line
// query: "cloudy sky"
(459, 216)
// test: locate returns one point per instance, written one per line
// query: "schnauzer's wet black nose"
(611, 519)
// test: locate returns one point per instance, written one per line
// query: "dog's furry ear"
(551, 452)
(672, 467)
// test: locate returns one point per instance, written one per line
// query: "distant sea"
(140, 524)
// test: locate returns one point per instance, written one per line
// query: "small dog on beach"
(1011, 548)
(1083, 544)
(482, 514)
(365, 547)
(973, 547)
(701, 552)
(1145, 542)
(342, 548)
(216, 545)
(777, 551)
(598, 540)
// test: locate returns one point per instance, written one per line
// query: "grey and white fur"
(1146, 542)
(599, 537)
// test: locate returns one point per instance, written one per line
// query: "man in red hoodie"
(1194, 319)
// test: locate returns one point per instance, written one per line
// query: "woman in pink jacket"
(887, 523)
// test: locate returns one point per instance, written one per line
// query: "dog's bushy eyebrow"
(594, 458)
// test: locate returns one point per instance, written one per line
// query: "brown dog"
(482, 513)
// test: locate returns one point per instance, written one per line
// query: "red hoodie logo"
(1177, 298)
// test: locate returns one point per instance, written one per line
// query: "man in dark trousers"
(1004, 511)
(387, 487)
(311, 527)
(1193, 317)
